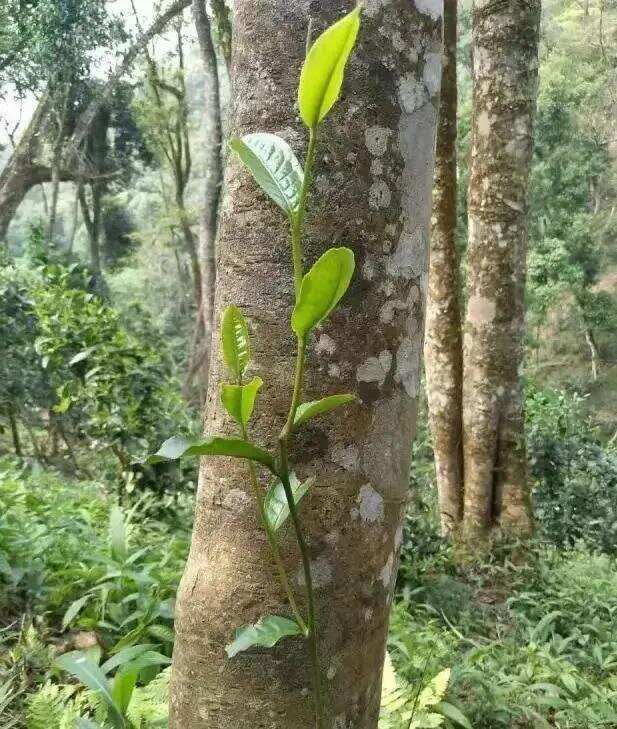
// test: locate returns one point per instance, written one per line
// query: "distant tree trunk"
(374, 176)
(443, 348)
(60, 113)
(14, 431)
(505, 67)
(593, 352)
(213, 136)
(92, 220)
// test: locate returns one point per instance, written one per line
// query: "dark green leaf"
(178, 447)
(235, 341)
(322, 73)
(309, 410)
(239, 400)
(322, 288)
(274, 167)
(275, 501)
(266, 633)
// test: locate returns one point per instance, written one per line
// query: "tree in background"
(485, 484)
(379, 143)
(443, 347)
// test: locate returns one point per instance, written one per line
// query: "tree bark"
(443, 348)
(213, 138)
(373, 192)
(505, 64)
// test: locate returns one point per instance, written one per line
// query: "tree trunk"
(373, 191)
(505, 63)
(213, 137)
(443, 348)
(14, 431)
(593, 352)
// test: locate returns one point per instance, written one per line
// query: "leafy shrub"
(575, 476)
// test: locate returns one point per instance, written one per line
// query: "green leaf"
(453, 713)
(266, 633)
(274, 166)
(125, 656)
(275, 502)
(117, 534)
(74, 609)
(91, 676)
(322, 288)
(123, 687)
(309, 410)
(235, 341)
(322, 73)
(239, 400)
(178, 447)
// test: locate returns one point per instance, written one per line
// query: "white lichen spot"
(325, 345)
(236, 500)
(480, 310)
(483, 123)
(379, 195)
(410, 259)
(375, 369)
(376, 138)
(376, 167)
(434, 8)
(321, 570)
(348, 457)
(432, 73)
(334, 370)
(408, 359)
(331, 672)
(369, 269)
(372, 7)
(386, 572)
(371, 504)
(411, 93)
(389, 309)
(398, 42)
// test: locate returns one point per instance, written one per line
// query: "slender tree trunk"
(593, 352)
(443, 348)
(212, 132)
(505, 63)
(92, 221)
(14, 431)
(374, 176)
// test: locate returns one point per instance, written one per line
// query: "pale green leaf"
(322, 73)
(309, 410)
(453, 713)
(274, 166)
(178, 447)
(322, 288)
(91, 676)
(74, 609)
(117, 534)
(239, 400)
(122, 689)
(125, 656)
(235, 341)
(434, 692)
(264, 633)
(275, 502)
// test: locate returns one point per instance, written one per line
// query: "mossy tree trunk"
(505, 69)
(373, 193)
(443, 348)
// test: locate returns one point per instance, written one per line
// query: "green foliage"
(235, 341)
(265, 633)
(322, 288)
(239, 400)
(309, 410)
(275, 501)
(321, 78)
(274, 166)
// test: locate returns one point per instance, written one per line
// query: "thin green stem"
(274, 547)
(297, 221)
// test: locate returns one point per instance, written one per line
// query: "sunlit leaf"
(309, 410)
(239, 400)
(275, 501)
(274, 166)
(265, 633)
(74, 609)
(322, 288)
(322, 73)
(453, 713)
(235, 341)
(178, 447)
(117, 534)
(91, 676)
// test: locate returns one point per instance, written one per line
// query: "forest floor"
(530, 642)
